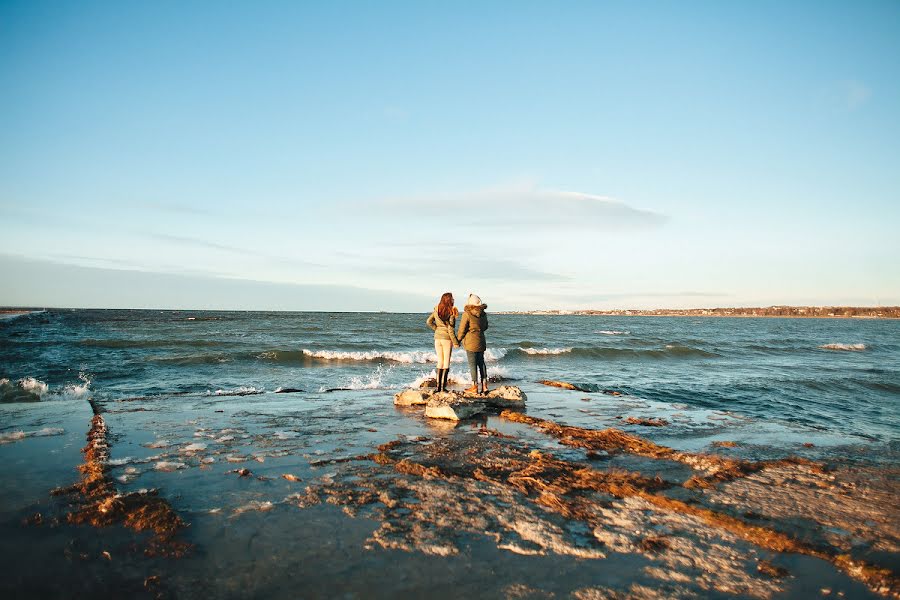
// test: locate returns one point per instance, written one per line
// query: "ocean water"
(841, 377)
(189, 397)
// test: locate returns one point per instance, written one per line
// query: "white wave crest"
(15, 436)
(847, 347)
(406, 357)
(612, 332)
(75, 391)
(35, 386)
(46, 431)
(244, 390)
(536, 351)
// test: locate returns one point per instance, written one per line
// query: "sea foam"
(847, 347)
(406, 357)
(545, 351)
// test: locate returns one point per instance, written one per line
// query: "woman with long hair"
(443, 322)
(472, 326)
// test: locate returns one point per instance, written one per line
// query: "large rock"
(453, 406)
(506, 396)
(412, 398)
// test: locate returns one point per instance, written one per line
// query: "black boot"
(446, 377)
(440, 380)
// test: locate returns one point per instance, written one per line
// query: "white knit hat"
(473, 300)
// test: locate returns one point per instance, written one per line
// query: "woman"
(472, 326)
(442, 321)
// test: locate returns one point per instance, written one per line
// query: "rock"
(647, 421)
(412, 398)
(563, 384)
(453, 406)
(506, 396)
(431, 382)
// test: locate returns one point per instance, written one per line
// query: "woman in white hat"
(472, 325)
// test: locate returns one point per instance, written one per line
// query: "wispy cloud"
(528, 206)
(201, 243)
(468, 266)
(178, 208)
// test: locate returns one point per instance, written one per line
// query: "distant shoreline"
(775, 312)
(772, 312)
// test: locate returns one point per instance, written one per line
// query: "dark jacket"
(472, 325)
(443, 330)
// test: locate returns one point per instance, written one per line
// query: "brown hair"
(445, 306)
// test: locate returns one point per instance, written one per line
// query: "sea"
(306, 392)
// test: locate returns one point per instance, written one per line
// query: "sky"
(370, 156)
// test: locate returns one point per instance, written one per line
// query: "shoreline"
(601, 314)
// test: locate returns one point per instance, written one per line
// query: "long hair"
(445, 306)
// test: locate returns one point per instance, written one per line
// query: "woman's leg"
(482, 368)
(473, 370)
(439, 371)
(443, 348)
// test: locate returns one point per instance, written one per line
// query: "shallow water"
(189, 398)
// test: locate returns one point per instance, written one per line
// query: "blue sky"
(285, 155)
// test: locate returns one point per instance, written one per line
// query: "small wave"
(9, 316)
(373, 381)
(612, 332)
(845, 347)
(248, 390)
(406, 357)
(545, 351)
(30, 389)
(155, 343)
(15, 436)
(74, 391)
(27, 389)
(33, 386)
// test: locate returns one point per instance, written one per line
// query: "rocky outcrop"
(457, 406)
(412, 397)
(506, 396)
(564, 385)
(453, 406)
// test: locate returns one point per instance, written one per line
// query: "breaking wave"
(247, 390)
(545, 351)
(31, 389)
(846, 347)
(612, 332)
(15, 436)
(406, 357)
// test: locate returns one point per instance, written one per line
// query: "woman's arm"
(451, 327)
(485, 323)
(430, 322)
(463, 326)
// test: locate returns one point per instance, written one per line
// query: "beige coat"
(443, 330)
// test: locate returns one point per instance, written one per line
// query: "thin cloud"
(456, 266)
(201, 243)
(181, 209)
(526, 207)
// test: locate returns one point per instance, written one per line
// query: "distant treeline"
(869, 312)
